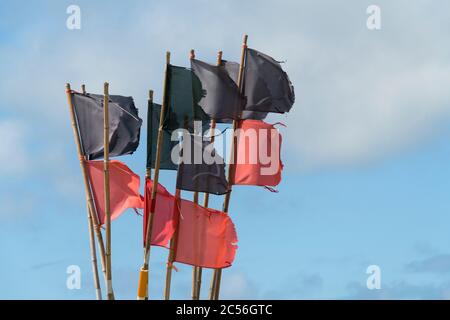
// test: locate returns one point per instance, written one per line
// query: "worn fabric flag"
(258, 161)
(206, 237)
(124, 126)
(220, 97)
(163, 222)
(123, 186)
(232, 69)
(184, 93)
(201, 168)
(167, 144)
(266, 86)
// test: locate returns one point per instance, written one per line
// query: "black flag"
(152, 137)
(266, 86)
(124, 125)
(201, 168)
(233, 71)
(220, 97)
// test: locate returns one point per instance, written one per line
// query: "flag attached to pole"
(205, 237)
(220, 97)
(266, 86)
(163, 222)
(258, 154)
(123, 184)
(168, 145)
(184, 94)
(201, 169)
(232, 69)
(125, 124)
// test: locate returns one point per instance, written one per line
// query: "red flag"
(205, 238)
(258, 159)
(123, 185)
(163, 223)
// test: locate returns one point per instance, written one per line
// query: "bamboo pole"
(98, 290)
(195, 273)
(143, 276)
(173, 247)
(106, 190)
(214, 295)
(87, 185)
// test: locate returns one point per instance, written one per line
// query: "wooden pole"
(98, 290)
(87, 185)
(143, 277)
(214, 295)
(173, 247)
(195, 273)
(107, 191)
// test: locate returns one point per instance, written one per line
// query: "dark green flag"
(152, 137)
(184, 93)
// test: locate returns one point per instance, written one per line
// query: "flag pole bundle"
(107, 126)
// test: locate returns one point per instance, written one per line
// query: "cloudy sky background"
(366, 151)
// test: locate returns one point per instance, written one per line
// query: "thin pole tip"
(192, 54)
(168, 57)
(68, 86)
(244, 42)
(150, 95)
(106, 87)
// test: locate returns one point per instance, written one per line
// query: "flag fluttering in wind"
(165, 206)
(266, 86)
(166, 162)
(124, 126)
(232, 69)
(220, 97)
(258, 154)
(201, 169)
(184, 93)
(205, 237)
(123, 185)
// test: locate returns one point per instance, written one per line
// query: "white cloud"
(361, 95)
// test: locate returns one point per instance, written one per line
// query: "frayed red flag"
(258, 161)
(205, 238)
(163, 223)
(123, 186)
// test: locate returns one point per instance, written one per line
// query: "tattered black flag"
(232, 69)
(266, 86)
(124, 124)
(201, 168)
(220, 97)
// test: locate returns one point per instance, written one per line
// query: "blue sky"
(366, 147)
